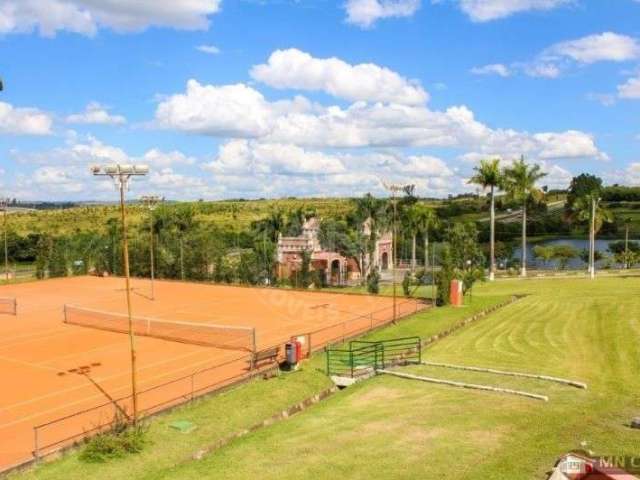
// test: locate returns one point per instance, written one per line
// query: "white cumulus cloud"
(295, 69)
(365, 13)
(208, 49)
(492, 69)
(229, 110)
(96, 114)
(24, 121)
(250, 157)
(239, 111)
(570, 144)
(630, 89)
(87, 16)
(487, 10)
(607, 46)
(602, 47)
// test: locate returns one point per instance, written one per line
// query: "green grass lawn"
(395, 428)
(221, 415)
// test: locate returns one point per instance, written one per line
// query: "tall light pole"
(121, 175)
(151, 202)
(394, 189)
(4, 205)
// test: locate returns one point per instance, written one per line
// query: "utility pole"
(433, 274)
(4, 205)
(151, 202)
(395, 189)
(121, 175)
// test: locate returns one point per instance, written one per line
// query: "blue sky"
(250, 98)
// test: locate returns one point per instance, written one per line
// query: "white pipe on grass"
(564, 381)
(452, 383)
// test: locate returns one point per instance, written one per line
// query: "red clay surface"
(49, 369)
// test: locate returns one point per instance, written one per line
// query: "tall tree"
(588, 209)
(372, 210)
(583, 184)
(425, 220)
(520, 184)
(488, 175)
(184, 223)
(411, 225)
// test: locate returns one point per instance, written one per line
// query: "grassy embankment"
(398, 428)
(221, 415)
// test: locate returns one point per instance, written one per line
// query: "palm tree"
(588, 208)
(184, 222)
(425, 219)
(520, 183)
(410, 225)
(372, 210)
(488, 175)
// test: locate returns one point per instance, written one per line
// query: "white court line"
(29, 364)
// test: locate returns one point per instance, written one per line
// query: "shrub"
(123, 439)
(406, 284)
(373, 282)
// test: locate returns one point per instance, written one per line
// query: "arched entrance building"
(335, 268)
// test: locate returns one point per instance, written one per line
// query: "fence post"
(351, 361)
(36, 446)
(375, 358)
(384, 365)
(254, 349)
(326, 352)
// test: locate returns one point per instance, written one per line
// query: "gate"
(365, 357)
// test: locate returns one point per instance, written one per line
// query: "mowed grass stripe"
(399, 429)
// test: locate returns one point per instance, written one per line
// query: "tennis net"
(8, 306)
(221, 336)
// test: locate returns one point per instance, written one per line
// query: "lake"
(576, 263)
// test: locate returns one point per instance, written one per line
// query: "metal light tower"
(121, 175)
(395, 189)
(4, 206)
(151, 202)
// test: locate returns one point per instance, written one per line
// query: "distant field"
(223, 214)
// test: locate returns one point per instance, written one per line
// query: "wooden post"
(36, 446)
(125, 258)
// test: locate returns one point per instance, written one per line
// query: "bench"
(265, 357)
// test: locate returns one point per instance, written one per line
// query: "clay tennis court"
(70, 379)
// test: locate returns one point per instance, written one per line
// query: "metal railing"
(363, 358)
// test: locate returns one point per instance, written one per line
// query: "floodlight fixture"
(121, 175)
(151, 201)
